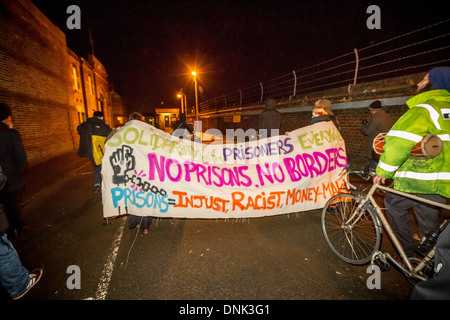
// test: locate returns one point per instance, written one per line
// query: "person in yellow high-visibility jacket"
(93, 133)
(428, 113)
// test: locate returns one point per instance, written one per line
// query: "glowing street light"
(183, 99)
(196, 96)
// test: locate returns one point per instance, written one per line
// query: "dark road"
(272, 258)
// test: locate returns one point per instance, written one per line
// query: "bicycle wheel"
(356, 240)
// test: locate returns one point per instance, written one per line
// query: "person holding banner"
(144, 223)
(323, 106)
(429, 113)
(183, 129)
(319, 114)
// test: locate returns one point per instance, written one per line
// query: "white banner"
(147, 172)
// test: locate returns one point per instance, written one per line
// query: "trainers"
(34, 276)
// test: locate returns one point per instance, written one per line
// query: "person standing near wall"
(269, 120)
(380, 122)
(93, 133)
(12, 161)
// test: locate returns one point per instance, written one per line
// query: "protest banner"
(147, 172)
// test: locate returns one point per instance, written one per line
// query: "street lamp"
(181, 96)
(196, 96)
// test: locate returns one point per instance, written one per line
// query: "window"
(76, 85)
(91, 85)
(81, 117)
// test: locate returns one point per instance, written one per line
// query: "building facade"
(49, 88)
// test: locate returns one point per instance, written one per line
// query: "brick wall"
(33, 81)
(37, 82)
(350, 120)
(349, 117)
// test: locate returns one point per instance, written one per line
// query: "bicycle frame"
(410, 271)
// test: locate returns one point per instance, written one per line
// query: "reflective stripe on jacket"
(429, 112)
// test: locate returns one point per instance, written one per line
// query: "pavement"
(44, 175)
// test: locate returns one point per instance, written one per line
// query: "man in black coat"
(93, 133)
(12, 161)
(269, 120)
(380, 122)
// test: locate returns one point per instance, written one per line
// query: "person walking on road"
(93, 133)
(143, 222)
(14, 277)
(12, 161)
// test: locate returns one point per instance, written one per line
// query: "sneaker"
(35, 276)
(97, 190)
(146, 230)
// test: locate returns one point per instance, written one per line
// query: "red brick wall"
(34, 81)
(350, 120)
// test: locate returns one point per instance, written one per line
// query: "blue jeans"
(13, 276)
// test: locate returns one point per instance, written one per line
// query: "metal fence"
(412, 52)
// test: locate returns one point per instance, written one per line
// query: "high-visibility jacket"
(429, 112)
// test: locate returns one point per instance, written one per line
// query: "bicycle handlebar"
(390, 189)
(357, 172)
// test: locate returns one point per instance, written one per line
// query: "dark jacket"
(12, 157)
(269, 119)
(380, 122)
(320, 119)
(89, 130)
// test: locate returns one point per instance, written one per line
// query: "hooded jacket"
(93, 135)
(270, 118)
(429, 112)
(12, 157)
(379, 122)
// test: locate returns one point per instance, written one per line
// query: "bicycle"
(352, 224)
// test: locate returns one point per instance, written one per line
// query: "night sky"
(149, 48)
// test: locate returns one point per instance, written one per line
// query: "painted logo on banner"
(147, 172)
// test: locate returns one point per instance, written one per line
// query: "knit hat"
(326, 104)
(376, 105)
(5, 111)
(270, 103)
(440, 78)
(98, 114)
